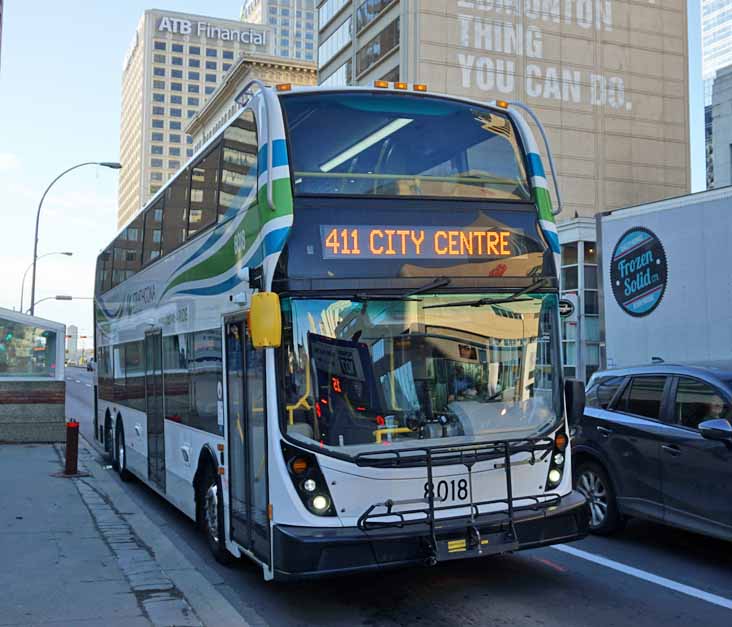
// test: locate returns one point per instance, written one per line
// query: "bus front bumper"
(305, 552)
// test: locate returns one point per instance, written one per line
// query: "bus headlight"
(309, 482)
(556, 464)
(320, 503)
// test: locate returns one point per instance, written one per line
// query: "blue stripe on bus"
(273, 243)
(279, 155)
(553, 240)
(537, 168)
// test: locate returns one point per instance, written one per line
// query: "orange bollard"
(72, 448)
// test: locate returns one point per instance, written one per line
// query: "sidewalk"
(80, 552)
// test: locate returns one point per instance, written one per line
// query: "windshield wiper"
(439, 282)
(517, 297)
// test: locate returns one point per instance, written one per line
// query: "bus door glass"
(247, 441)
(154, 407)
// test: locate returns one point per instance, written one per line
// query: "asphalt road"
(648, 575)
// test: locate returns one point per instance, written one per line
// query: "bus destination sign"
(433, 242)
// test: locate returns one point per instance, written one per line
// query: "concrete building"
(716, 41)
(721, 122)
(72, 344)
(293, 22)
(174, 63)
(609, 79)
(221, 105)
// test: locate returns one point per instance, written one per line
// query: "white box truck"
(666, 280)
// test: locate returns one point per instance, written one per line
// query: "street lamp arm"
(25, 274)
(106, 164)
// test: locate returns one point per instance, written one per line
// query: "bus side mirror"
(265, 320)
(574, 393)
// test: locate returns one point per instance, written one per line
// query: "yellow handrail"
(379, 433)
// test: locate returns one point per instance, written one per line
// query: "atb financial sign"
(210, 30)
(515, 47)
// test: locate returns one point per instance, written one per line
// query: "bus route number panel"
(433, 242)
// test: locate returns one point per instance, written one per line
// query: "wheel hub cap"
(591, 486)
(212, 512)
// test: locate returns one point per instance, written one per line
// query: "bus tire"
(108, 447)
(213, 515)
(594, 484)
(120, 453)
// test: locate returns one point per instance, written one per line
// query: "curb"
(211, 607)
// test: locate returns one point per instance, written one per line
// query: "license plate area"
(475, 544)
(451, 491)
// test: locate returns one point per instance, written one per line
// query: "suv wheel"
(593, 483)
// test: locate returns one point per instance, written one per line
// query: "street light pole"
(105, 164)
(63, 297)
(58, 297)
(25, 274)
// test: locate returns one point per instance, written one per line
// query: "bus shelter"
(32, 385)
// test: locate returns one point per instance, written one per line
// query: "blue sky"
(60, 75)
(60, 78)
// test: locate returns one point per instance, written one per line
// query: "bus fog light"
(320, 503)
(555, 476)
(559, 459)
(309, 485)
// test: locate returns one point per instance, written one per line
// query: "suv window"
(643, 397)
(697, 401)
(602, 392)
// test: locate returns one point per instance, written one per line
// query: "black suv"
(655, 442)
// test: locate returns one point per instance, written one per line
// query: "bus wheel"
(108, 448)
(213, 516)
(120, 454)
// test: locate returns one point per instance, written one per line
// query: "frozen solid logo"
(638, 271)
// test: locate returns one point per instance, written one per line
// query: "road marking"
(88, 385)
(550, 564)
(646, 576)
(78, 381)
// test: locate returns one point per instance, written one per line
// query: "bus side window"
(175, 214)
(238, 181)
(104, 271)
(153, 234)
(206, 371)
(204, 191)
(177, 379)
(128, 252)
(118, 369)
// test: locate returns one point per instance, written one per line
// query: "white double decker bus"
(332, 339)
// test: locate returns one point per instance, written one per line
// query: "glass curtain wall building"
(716, 41)
(293, 21)
(581, 334)
(359, 41)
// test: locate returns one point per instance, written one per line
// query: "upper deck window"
(390, 144)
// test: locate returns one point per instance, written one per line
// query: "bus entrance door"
(247, 441)
(154, 406)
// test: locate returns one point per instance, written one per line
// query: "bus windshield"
(427, 370)
(389, 144)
